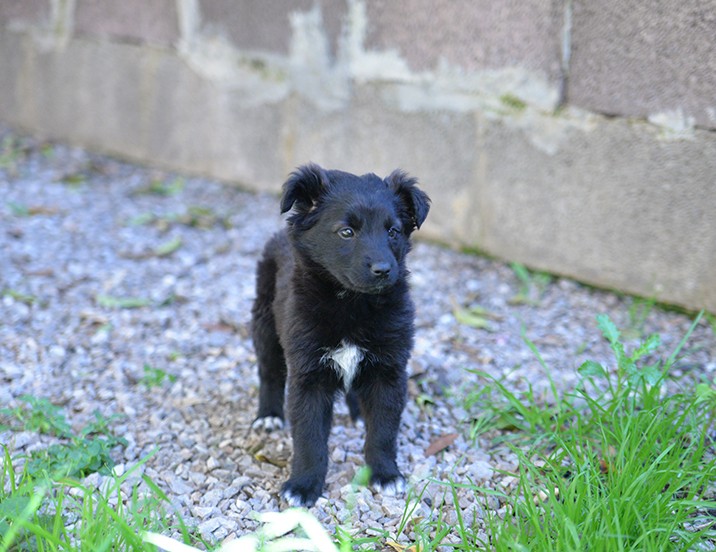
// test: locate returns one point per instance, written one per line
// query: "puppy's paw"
(267, 424)
(300, 494)
(389, 486)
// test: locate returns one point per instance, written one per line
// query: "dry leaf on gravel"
(441, 443)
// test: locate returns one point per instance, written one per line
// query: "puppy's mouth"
(375, 287)
(373, 290)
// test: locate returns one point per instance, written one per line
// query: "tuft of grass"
(196, 216)
(75, 180)
(53, 513)
(525, 419)
(532, 285)
(19, 296)
(167, 248)
(45, 504)
(711, 319)
(616, 465)
(37, 414)
(475, 317)
(22, 210)
(155, 377)
(638, 311)
(76, 454)
(11, 153)
(18, 209)
(164, 188)
(111, 302)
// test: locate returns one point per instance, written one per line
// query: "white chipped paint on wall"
(311, 72)
(260, 78)
(446, 87)
(549, 132)
(366, 65)
(215, 59)
(711, 114)
(188, 11)
(675, 124)
(453, 89)
(57, 35)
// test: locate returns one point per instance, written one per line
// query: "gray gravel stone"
(73, 258)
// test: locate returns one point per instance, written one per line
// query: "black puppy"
(333, 312)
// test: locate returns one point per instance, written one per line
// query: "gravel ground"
(81, 234)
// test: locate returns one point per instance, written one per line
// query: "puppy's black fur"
(333, 313)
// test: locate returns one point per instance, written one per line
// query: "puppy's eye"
(346, 233)
(393, 232)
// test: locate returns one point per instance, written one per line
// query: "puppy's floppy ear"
(303, 188)
(415, 200)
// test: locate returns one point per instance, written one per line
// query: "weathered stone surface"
(151, 106)
(646, 58)
(25, 12)
(13, 83)
(616, 205)
(267, 26)
(151, 21)
(252, 25)
(63, 96)
(472, 34)
(211, 130)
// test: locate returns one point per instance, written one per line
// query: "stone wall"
(575, 136)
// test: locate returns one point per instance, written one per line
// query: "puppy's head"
(354, 228)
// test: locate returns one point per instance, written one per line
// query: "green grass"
(36, 414)
(46, 506)
(638, 311)
(11, 153)
(75, 454)
(165, 188)
(532, 285)
(112, 302)
(53, 513)
(19, 296)
(155, 377)
(618, 464)
(195, 216)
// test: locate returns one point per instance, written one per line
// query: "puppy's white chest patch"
(345, 359)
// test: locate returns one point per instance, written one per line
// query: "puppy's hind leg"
(272, 365)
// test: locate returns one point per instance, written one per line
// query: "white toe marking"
(268, 423)
(392, 488)
(293, 500)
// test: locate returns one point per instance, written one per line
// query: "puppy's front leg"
(382, 403)
(310, 408)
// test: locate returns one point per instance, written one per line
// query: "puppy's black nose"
(380, 269)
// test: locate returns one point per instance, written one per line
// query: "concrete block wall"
(576, 136)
